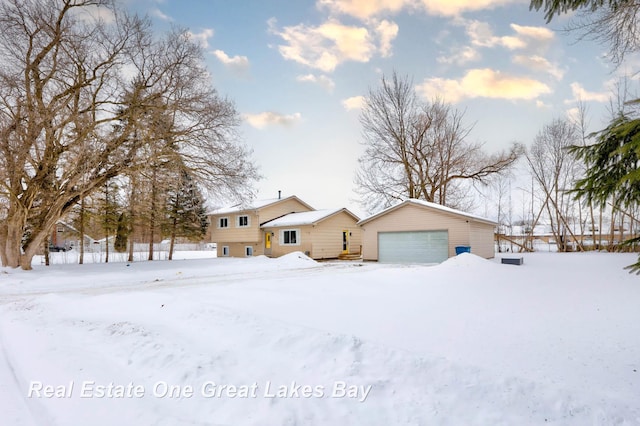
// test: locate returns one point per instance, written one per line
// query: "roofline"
(253, 209)
(344, 209)
(447, 210)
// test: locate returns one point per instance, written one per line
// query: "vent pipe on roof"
(279, 194)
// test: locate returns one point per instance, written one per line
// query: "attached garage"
(417, 231)
(413, 247)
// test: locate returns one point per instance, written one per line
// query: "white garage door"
(413, 247)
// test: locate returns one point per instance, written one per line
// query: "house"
(279, 226)
(65, 237)
(320, 234)
(417, 231)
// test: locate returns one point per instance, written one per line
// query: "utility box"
(513, 260)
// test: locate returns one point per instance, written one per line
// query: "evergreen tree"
(613, 175)
(122, 234)
(186, 214)
(108, 213)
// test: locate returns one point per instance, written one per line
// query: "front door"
(345, 242)
(267, 243)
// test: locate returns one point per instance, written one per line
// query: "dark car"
(57, 248)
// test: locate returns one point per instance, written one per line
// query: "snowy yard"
(293, 342)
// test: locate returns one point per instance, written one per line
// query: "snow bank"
(466, 260)
(297, 258)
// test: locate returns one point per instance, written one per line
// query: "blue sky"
(297, 70)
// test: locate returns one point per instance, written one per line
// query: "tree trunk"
(45, 247)
(132, 218)
(81, 255)
(13, 240)
(173, 237)
(152, 218)
(3, 244)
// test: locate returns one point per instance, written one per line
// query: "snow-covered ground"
(290, 341)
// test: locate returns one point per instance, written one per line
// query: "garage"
(413, 247)
(418, 231)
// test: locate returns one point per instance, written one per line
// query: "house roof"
(305, 218)
(255, 205)
(429, 205)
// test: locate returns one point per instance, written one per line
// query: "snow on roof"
(300, 219)
(253, 205)
(432, 206)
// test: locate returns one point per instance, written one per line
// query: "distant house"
(275, 227)
(417, 231)
(65, 237)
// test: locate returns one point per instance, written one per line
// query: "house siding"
(320, 241)
(237, 238)
(280, 209)
(237, 249)
(482, 240)
(416, 218)
(327, 238)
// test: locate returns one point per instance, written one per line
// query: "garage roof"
(427, 204)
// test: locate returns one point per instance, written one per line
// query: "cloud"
(538, 63)
(387, 32)
(93, 13)
(481, 34)
(321, 80)
(354, 102)
(365, 9)
(237, 63)
(573, 114)
(328, 45)
(461, 56)
(579, 93)
(457, 7)
(263, 119)
(483, 83)
(202, 38)
(161, 15)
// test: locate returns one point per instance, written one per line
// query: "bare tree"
(554, 170)
(69, 112)
(418, 150)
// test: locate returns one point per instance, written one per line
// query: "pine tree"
(613, 175)
(186, 214)
(122, 234)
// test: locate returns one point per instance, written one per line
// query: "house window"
(243, 221)
(248, 251)
(60, 229)
(225, 250)
(223, 222)
(289, 237)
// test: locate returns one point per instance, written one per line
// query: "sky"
(297, 72)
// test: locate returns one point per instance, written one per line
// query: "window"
(243, 221)
(60, 229)
(248, 251)
(289, 237)
(223, 222)
(225, 250)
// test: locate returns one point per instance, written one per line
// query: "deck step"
(350, 256)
